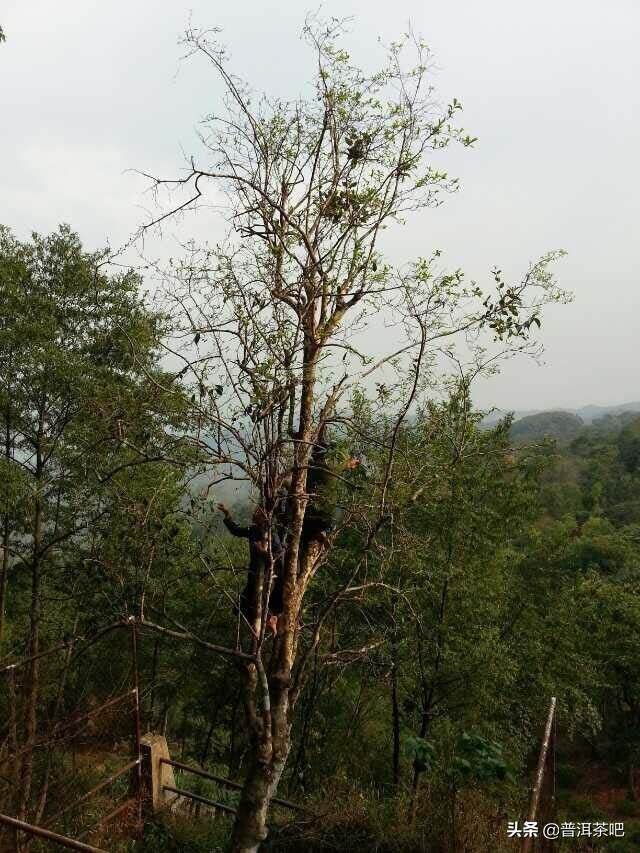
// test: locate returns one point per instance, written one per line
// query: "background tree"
(79, 415)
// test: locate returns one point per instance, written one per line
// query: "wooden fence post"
(155, 774)
(527, 843)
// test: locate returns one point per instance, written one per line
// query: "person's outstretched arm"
(232, 527)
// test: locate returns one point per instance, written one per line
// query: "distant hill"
(614, 423)
(563, 426)
(588, 413)
(592, 413)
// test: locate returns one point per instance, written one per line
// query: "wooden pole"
(527, 843)
(40, 832)
(137, 780)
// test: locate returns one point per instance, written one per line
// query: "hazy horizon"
(93, 90)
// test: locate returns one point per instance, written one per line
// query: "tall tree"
(268, 324)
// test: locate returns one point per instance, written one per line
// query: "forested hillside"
(562, 426)
(364, 645)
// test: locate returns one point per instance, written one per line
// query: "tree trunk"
(154, 676)
(267, 699)
(267, 706)
(207, 742)
(4, 571)
(417, 770)
(250, 827)
(33, 678)
(13, 737)
(56, 716)
(395, 724)
(298, 774)
(231, 763)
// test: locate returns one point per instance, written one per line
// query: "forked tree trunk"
(270, 744)
(268, 697)
(271, 727)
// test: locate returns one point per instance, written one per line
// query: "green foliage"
(478, 759)
(629, 446)
(421, 752)
(92, 477)
(184, 835)
(84, 410)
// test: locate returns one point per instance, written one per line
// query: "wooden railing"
(220, 780)
(41, 832)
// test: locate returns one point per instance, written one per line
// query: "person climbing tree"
(281, 521)
(262, 555)
(325, 471)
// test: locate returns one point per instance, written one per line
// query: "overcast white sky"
(89, 90)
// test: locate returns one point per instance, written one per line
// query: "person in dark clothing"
(257, 533)
(322, 486)
(281, 512)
